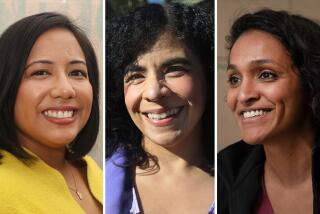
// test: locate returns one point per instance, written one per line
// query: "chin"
(165, 140)
(62, 141)
(253, 138)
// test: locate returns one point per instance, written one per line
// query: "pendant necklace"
(78, 193)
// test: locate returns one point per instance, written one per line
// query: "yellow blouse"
(39, 188)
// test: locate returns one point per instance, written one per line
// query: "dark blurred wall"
(117, 7)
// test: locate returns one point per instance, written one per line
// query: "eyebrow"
(38, 61)
(166, 63)
(264, 61)
(255, 63)
(231, 67)
(77, 62)
(134, 68)
(51, 62)
(178, 60)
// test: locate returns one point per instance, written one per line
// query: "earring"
(69, 149)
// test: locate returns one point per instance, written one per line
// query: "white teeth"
(163, 115)
(254, 113)
(58, 114)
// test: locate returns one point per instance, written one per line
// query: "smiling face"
(165, 92)
(265, 92)
(54, 99)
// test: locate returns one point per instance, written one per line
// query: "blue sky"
(156, 1)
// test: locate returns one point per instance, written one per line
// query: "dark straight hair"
(15, 46)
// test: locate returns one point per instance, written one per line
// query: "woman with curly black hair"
(274, 89)
(160, 150)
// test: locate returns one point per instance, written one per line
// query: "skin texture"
(61, 83)
(262, 76)
(56, 78)
(133, 35)
(159, 87)
(154, 85)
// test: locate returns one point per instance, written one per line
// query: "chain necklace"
(78, 193)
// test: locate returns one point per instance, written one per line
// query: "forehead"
(56, 43)
(258, 45)
(166, 46)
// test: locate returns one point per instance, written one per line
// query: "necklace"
(76, 188)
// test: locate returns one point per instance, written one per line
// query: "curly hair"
(299, 35)
(131, 35)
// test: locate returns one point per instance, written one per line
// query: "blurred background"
(228, 11)
(88, 15)
(117, 7)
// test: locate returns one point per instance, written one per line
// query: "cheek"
(132, 96)
(29, 96)
(284, 92)
(231, 98)
(190, 88)
(86, 95)
(276, 92)
(28, 99)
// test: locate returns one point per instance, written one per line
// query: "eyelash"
(133, 77)
(73, 73)
(173, 70)
(78, 73)
(271, 75)
(176, 68)
(40, 73)
(234, 79)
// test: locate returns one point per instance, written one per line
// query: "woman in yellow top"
(49, 118)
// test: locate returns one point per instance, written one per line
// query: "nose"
(155, 89)
(63, 88)
(248, 92)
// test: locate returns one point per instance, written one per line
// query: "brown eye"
(134, 78)
(78, 73)
(234, 80)
(268, 75)
(40, 73)
(175, 70)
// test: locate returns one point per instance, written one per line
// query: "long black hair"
(15, 46)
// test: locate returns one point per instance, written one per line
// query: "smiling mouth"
(59, 114)
(164, 115)
(254, 113)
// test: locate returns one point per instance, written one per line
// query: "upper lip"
(242, 110)
(159, 110)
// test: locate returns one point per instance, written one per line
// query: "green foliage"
(116, 7)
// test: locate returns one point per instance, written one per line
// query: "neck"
(54, 157)
(288, 159)
(180, 155)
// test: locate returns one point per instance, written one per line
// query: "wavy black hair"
(15, 45)
(131, 35)
(299, 35)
